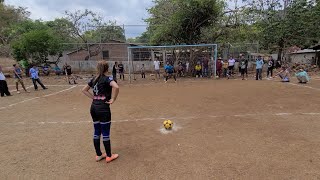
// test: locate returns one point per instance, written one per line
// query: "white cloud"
(128, 12)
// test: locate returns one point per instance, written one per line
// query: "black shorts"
(69, 72)
(242, 71)
(121, 71)
(231, 68)
(100, 111)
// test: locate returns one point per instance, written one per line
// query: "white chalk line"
(59, 92)
(23, 101)
(26, 100)
(22, 89)
(171, 118)
(305, 86)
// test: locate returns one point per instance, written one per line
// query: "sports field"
(224, 129)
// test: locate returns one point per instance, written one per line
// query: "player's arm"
(15, 72)
(115, 92)
(86, 92)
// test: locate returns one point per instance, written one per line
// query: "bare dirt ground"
(224, 129)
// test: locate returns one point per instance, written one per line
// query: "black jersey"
(102, 87)
(68, 69)
(120, 66)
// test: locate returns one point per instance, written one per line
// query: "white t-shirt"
(231, 62)
(156, 65)
(2, 77)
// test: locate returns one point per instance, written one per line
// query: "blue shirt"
(17, 72)
(259, 64)
(168, 68)
(303, 74)
(34, 73)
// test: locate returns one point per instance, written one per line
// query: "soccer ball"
(168, 124)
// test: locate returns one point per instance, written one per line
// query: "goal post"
(193, 54)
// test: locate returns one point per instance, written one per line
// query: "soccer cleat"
(113, 157)
(99, 158)
(18, 92)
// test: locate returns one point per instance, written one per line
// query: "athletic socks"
(96, 143)
(107, 146)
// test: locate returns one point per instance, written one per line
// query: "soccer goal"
(182, 57)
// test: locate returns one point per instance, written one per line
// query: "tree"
(88, 27)
(181, 21)
(9, 17)
(37, 45)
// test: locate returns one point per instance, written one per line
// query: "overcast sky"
(128, 12)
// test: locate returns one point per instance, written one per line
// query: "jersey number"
(95, 89)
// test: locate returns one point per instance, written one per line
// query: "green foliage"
(181, 21)
(37, 44)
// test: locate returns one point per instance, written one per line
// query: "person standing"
(231, 63)
(114, 71)
(156, 64)
(34, 74)
(4, 90)
(259, 66)
(68, 71)
(121, 70)
(242, 65)
(18, 77)
(205, 66)
(105, 93)
(143, 72)
(219, 67)
(270, 67)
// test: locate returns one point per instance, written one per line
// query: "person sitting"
(57, 70)
(46, 70)
(284, 74)
(302, 76)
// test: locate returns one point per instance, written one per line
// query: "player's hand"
(111, 101)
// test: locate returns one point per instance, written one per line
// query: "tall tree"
(88, 27)
(181, 21)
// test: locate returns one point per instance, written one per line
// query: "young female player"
(105, 93)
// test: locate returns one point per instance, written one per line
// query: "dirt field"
(224, 129)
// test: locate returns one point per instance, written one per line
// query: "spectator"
(225, 66)
(34, 74)
(156, 64)
(270, 67)
(114, 71)
(198, 69)
(284, 74)
(259, 66)
(302, 76)
(143, 73)
(121, 70)
(3, 85)
(57, 70)
(231, 63)
(18, 77)
(205, 66)
(219, 67)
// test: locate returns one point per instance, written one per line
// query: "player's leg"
(1, 88)
(167, 76)
(105, 122)
(39, 81)
(23, 86)
(35, 84)
(74, 79)
(17, 85)
(96, 133)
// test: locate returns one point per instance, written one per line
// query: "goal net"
(185, 56)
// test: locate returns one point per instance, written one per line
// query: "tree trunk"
(280, 49)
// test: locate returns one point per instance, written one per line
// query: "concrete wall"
(304, 58)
